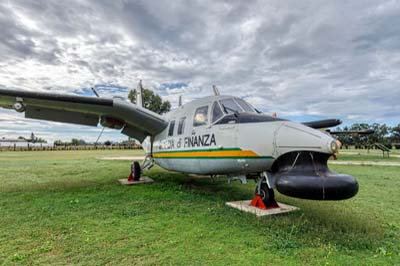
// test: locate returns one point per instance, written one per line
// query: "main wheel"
(267, 194)
(137, 171)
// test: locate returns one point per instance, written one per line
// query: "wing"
(135, 121)
(323, 123)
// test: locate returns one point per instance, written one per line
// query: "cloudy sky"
(302, 59)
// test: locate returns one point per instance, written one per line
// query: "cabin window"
(201, 116)
(181, 125)
(230, 106)
(216, 112)
(171, 128)
(245, 106)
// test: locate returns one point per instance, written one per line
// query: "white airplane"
(215, 135)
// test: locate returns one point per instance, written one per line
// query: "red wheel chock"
(258, 203)
(130, 178)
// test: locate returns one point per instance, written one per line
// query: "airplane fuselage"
(235, 143)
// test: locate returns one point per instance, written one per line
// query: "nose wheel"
(266, 194)
(136, 172)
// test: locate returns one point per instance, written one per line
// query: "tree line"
(82, 142)
(384, 134)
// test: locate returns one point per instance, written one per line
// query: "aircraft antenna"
(139, 94)
(95, 92)
(216, 91)
(180, 101)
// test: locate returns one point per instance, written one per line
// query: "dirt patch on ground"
(121, 158)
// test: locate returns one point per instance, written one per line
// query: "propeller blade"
(354, 132)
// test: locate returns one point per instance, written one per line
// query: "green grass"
(66, 208)
(365, 155)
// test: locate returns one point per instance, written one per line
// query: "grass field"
(67, 208)
(372, 155)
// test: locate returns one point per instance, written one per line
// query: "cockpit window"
(216, 112)
(230, 106)
(245, 106)
(201, 116)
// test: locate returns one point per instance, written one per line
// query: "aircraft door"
(200, 138)
(225, 134)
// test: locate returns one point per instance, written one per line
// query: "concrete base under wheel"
(244, 205)
(143, 180)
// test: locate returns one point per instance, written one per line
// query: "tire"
(137, 172)
(267, 194)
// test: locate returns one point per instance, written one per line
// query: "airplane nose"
(301, 168)
(292, 136)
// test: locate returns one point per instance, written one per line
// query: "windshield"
(235, 105)
(230, 106)
(245, 106)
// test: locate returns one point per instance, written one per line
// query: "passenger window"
(200, 116)
(216, 112)
(181, 126)
(171, 128)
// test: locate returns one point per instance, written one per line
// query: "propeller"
(352, 132)
(323, 123)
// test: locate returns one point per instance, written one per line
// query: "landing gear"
(147, 163)
(267, 194)
(264, 191)
(135, 177)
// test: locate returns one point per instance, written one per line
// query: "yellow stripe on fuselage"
(202, 154)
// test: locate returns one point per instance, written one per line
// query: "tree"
(78, 142)
(395, 136)
(395, 132)
(151, 101)
(383, 134)
(58, 142)
(40, 140)
(35, 139)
